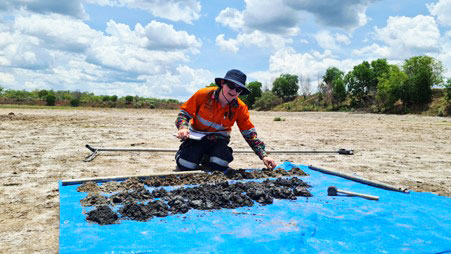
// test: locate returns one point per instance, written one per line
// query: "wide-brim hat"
(237, 77)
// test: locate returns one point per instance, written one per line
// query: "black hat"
(237, 77)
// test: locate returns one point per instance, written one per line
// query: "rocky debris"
(216, 176)
(131, 196)
(102, 215)
(89, 186)
(132, 183)
(111, 186)
(142, 205)
(94, 200)
(136, 211)
(198, 178)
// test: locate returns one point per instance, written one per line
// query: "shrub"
(43, 93)
(128, 99)
(50, 100)
(278, 119)
(448, 90)
(75, 102)
(267, 101)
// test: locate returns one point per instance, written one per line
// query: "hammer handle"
(358, 194)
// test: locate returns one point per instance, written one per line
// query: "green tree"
(422, 72)
(391, 88)
(267, 101)
(128, 99)
(358, 82)
(334, 90)
(255, 89)
(286, 87)
(43, 93)
(114, 98)
(380, 68)
(50, 99)
(213, 84)
(447, 90)
(1, 90)
(362, 81)
(75, 102)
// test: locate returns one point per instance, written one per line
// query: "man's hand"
(183, 133)
(269, 162)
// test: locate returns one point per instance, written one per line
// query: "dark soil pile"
(102, 215)
(141, 205)
(89, 187)
(95, 200)
(178, 180)
(216, 176)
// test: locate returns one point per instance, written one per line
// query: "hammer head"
(332, 191)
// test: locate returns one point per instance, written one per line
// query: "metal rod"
(340, 151)
(360, 179)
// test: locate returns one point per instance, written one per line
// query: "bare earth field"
(39, 147)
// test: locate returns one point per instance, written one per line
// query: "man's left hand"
(269, 162)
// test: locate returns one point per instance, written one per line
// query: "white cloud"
(72, 8)
(328, 41)
(73, 56)
(175, 10)
(347, 14)
(445, 54)
(69, 35)
(342, 39)
(6, 78)
(227, 45)
(232, 18)
(312, 65)
(258, 26)
(442, 10)
(154, 36)
(407, 37)
(281, 20)
(373, 51)
(263, 40)
(271, 16)
(255, 38)
(164, 36)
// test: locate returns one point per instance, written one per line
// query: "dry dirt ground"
(39, 147)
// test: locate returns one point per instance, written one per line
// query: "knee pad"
(184, 164)
(217, 163)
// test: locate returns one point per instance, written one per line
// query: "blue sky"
(171, 48)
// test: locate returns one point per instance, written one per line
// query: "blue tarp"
(397, 223)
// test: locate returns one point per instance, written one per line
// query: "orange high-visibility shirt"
(207, 114)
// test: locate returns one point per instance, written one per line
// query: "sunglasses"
(232, 86)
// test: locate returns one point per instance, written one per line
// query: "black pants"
(191, 153)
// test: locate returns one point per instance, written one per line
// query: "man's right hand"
(183, 133)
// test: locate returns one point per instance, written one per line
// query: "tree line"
(376, 85)
(77, 98)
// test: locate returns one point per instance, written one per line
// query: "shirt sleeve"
(249, 133)
(188, 111)
(182, 120)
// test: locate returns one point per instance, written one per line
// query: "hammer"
(333, 191)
